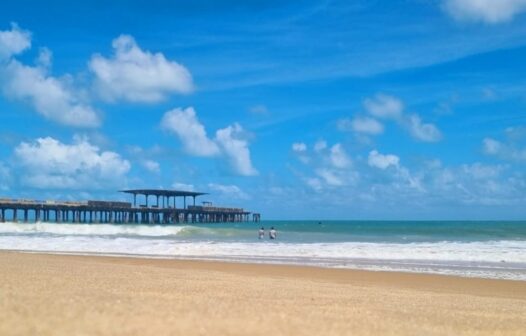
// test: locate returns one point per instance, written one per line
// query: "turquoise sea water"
(466, 248)
(364, 231)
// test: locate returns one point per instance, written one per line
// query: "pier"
(164, 210)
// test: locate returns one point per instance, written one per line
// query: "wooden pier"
(163, 211)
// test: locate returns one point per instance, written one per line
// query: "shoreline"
(266, 268)
(53, 294)
(368, 265)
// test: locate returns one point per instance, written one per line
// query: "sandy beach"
(89, 295)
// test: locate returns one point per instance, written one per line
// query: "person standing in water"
(261, 233)
(272, 233)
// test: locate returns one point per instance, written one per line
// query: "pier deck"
(123, 212)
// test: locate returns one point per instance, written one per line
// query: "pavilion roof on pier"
(163, 192)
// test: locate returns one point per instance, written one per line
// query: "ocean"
(463, 248)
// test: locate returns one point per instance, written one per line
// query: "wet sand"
(90, 295)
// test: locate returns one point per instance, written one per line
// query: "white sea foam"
(500, 259)
(90, 229)
(493, 259)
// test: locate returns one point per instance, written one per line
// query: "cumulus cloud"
(299, 147)
(384, 106)
(488, 11)
(54, 98)
(479, 171)
(152, 166)
(382, 161)
(503, 150)
(423, 131)
(51, 97)
(364, 125)
(491, 146)
(391, 108)
(477, 183)
(136, 75)
(367, 125)
(331, 177)
(233, 144)
(185, 125)
(382, 179)
(338, 157)
(49, 164)
(314, 182)
(329, 166)
(230, 142)
(231, 191)
(14, 41)
(320, 145)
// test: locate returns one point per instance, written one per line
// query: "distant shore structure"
(164, 210)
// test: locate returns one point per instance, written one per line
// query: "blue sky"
(408, 109)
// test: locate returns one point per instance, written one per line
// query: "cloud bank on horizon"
(413, 133)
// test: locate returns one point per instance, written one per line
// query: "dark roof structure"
(163, 192)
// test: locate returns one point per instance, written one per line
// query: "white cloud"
(45, 57)
(328, 166)
(152, 166)
(235, 148)
(330, 177)
(139, 76)
(505, 151)
(480, 171)
(14, 41)
(488, 11)
(389, 107)
(48, 163)
(423, 131)
(491, 146)
(384, 106)
(184, 124)
(50, 96)
(314, 182)
(229, 190)
(382, 161)
(299, 147)
(183, 186)
(230, 142)
(320, 145)
(367, 125)
(339, 157)
(54, 98)
(477, 184)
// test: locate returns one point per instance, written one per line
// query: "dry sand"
(82, 295)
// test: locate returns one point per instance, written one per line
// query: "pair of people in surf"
(272, 234)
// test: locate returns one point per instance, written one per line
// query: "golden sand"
(81, 295)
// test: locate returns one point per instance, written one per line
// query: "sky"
(389, 110)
